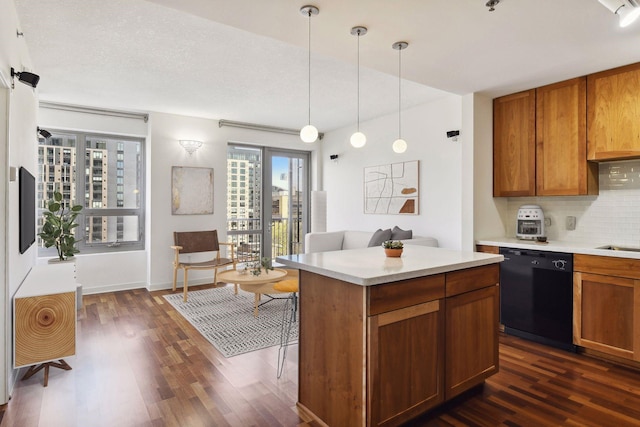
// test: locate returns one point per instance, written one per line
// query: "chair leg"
(175, 277)
(215, 276)
(186, 274)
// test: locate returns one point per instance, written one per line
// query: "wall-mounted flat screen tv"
(27, 209)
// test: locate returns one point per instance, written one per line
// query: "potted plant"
(392, 248)
(58, 226)
(258, 266)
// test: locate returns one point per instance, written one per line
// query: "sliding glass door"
(267, 200)
(288, 213)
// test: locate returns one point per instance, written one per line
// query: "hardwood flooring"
(140, 363)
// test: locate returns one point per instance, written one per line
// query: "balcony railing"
(246, 235)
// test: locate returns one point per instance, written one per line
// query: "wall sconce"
(190, 146)
(25, 77)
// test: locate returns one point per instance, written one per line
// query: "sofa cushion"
(323, 242)
(356, 239)
(379, 236)
(399, 234)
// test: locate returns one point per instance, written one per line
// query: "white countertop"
(370, 266)
(559, 246)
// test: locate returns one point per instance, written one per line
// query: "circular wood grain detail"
(45, 328)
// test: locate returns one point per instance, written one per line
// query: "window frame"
(80, 180)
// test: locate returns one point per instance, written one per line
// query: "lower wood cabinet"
(607, 305)
(472, 321)
(406, 363)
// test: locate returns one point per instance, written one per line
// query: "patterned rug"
(227, 321)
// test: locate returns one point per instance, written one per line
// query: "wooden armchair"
(189, 242)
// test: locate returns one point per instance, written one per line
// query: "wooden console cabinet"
(381, 355)
(45, 318)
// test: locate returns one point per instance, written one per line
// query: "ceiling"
(247, 60)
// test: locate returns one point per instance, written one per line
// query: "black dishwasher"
(536, 296)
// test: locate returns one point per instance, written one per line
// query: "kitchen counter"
(370, 266)
(560, 246)
(375, 355)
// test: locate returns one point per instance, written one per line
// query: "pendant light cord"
(309, 68)
(358, 127)
(399, 93)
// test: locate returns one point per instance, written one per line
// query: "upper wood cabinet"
(514, 144)
(613, 114)
(561, 141)
(540, 142)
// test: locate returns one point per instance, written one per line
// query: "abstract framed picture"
(392, 188)
(191, 191)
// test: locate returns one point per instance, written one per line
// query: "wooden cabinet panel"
(613, 114)
(488, 249)
(471, 279)
(561, 141)
(606, 315)
(472, 322)
(606, 265)
(332, 348)
(45, 328)
(393, 296)
(514, 144)
(405, 363)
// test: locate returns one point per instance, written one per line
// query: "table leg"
(255, 304)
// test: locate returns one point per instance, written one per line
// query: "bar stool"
(289, 314)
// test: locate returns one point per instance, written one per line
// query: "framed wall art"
(392, 188)
(191, 191)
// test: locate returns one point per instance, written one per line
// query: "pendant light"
(309, 133)
(400, 145)
(358, 139)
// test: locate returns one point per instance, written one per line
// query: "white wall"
(166, 130)
(152, 268)
(424, 128)
(17, 130)
(488, 212)
(102, 272)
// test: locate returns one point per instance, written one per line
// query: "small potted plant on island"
(392, 248)
(58, 226)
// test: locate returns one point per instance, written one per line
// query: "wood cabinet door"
(406, 364)
(561, 141)
(606, 315)
(514, 161)
(613, 113)
(472, 322)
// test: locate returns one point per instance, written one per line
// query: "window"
(104, 174)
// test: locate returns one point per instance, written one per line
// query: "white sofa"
(348, 239)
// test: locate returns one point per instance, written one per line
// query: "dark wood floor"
(140, 363)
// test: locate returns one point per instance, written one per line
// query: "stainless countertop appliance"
(530, 222)
(536, 296)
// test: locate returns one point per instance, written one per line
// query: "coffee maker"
(530, 222)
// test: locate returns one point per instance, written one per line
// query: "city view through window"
(104, 175)
(266, 201)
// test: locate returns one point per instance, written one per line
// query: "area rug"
(227, 320)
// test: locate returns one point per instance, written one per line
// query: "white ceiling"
(246, 60)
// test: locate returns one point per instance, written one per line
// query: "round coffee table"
(261, 284)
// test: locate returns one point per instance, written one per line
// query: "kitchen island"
(383, 340)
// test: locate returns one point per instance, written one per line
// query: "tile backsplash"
(611, 217)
